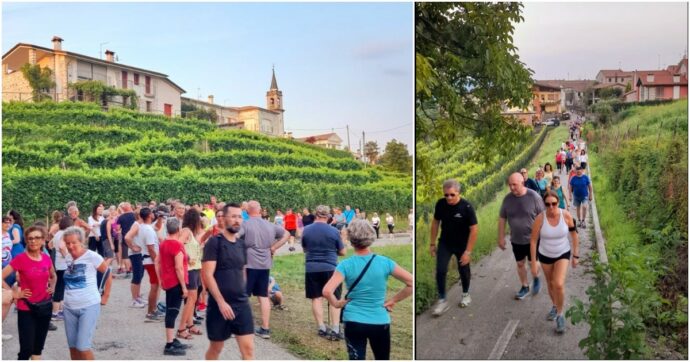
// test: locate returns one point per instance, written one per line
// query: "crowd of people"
(208, 260)
(542, 230)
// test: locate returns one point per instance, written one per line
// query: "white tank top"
(554, 239)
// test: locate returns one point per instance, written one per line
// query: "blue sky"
(336, 63)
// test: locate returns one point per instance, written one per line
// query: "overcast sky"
(576, 40)
(337, 64)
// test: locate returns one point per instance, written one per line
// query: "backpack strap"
(366, 267)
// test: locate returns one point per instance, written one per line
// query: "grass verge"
(295, 329)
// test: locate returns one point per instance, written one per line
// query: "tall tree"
(40, 80)
(371, 151)
(466, 68)
(396, 157)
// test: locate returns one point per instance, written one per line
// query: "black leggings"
(390, 228)
(173, 301)
(378, 335)
(377, 231)
(443, 256)
(32, 334)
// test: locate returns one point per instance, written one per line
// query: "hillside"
(53, 153)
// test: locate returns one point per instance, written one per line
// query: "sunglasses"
(31, 238)
(449, 195)
(551, 204)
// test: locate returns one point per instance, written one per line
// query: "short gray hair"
(322, 211)
(172, 226)
(451, 183)
(75, 230)
(361, 233)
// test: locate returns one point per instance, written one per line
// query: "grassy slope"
(295, 328)
(487, 216)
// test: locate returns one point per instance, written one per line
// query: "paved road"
(495, 325)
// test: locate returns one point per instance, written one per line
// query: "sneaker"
(142, 300)
(161, 307)
(201, 307)
(279, 307)
(57, 316)
(127, 275)
(160, 314)
(522, 293)
(323, 333)
(584, 224)
(441, 307)
(52, 327)
(560, 324)
(263, 332)
(6, 337)
(137, 304)
(466, 300)
(536, 286)
(198, 317)
(171, 350)
(152, 317)
(552, 314)
(291, 248)
(336, 336)
(197, 322)
(176, 343)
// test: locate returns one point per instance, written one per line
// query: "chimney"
(109, 55)
(210, 99)
(57, 43)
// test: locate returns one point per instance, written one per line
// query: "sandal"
(194, 330)
(184, 334)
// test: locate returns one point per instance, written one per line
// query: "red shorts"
(151, 270)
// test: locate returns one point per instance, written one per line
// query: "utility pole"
(363, 144)
(347, 127)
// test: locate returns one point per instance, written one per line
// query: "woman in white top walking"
(551, 228)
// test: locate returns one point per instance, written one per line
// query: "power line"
(390, 129)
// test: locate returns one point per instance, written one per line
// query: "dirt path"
(495, 325)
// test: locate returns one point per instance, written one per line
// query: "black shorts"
(194, 277)
(116, 244)
(124, 248)
(257, 282)
(292, 232)
(546, 260)
(219, 329)
(521, 251)
(314, 283)
(59, 293)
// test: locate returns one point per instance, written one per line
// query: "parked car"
(552, 122)
(565, 116)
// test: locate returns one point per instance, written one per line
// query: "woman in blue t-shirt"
(366, 310)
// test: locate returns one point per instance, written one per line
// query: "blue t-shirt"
(349, 215)
(542, 185)
(579, 186)
(366, 300)
(321, 243)
(245, 215)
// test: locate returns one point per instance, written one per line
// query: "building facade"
(156, 92)
(268, 121)
(328, 140)
(546, 99)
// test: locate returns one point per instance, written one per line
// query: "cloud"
(380, 49)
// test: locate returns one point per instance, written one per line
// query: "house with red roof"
(670, 83)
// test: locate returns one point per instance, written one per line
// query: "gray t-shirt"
(259, 235)
(520, 211)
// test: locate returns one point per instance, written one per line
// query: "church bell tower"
(274, 97)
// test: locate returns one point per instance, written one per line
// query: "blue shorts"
(80, 325)
(583, 201)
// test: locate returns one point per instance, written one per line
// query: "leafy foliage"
(396, 157)
(53, 152)
(99, 92)
(192, 111)
(40, 80)
(467, 68)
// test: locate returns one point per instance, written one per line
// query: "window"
(650, 77)
(609, 80)
(148, 106)
(124, 79)
(676, 78)
(148, 84)
(136, 78)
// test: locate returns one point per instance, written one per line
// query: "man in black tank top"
(459, 231)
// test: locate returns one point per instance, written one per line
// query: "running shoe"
(127, 275)
(176, 342)
(197, 322)
(323, 333)
(291, 248)
(159, 313)
(552, 314)
(142, 300)
(560, 324)
(584, 224)
(466, 300)
(336, 336)
(137, 304)
(171, 350)
(536, 286)
(522, 293)
(201, 307)
(59, 316)
(263, 332)
(152, 317)
(52, 327)
(161, 307)
(440, 308)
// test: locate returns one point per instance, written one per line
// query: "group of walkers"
(542, 230)
(211, 258)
